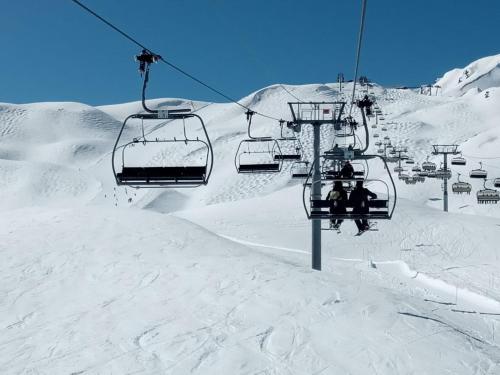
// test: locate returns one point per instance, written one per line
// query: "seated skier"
(347, 170)
(339, 197)
(359, 200)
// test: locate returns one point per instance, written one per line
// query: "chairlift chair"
(428, 166)
(379, 209)
(410, 180)
(460, 187)
(331, 170)
(300, 169)
(398, 169)
(410, 161)
(478, 173)
(258, 154)
(487, 196)
(459, 160)
(496, 182)
(291, 150)
(442, 174)
(137, 174)
(376, 135)
(138, 169)
(416, 168)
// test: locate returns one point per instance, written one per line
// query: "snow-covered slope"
(480, 75)
(97, 279)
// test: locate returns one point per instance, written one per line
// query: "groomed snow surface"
(97, 279)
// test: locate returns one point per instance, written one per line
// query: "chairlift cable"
(292, 95)
(173, 66)
(358, 52)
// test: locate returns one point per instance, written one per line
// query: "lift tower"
(445, 150)
(316, 114)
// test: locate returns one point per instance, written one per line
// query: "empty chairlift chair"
(461, 187)
(478, 173)
(290, 146)
(300, 170)
(142, 163)
(488, 196)
(496, 182)
(258, 154)
(459, 160)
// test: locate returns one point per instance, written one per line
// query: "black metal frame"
(185, 176)
(163, 177)
(274, 152)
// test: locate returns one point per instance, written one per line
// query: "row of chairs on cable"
(458, 161)
(484, 196)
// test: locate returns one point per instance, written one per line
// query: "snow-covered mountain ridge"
(479, 75)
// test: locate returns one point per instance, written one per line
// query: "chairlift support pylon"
(444, 173)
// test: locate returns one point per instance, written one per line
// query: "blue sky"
(53, 51)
